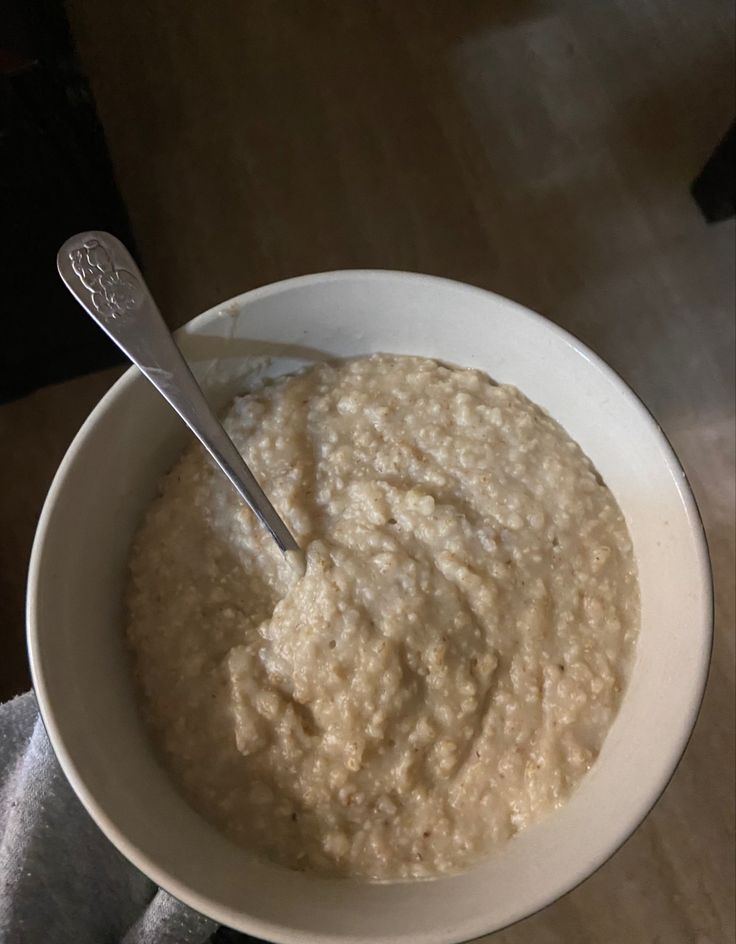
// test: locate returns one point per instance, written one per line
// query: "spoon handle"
(101, 274)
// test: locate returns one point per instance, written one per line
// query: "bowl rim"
(271, 930)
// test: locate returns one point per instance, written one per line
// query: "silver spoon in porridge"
(101, 274)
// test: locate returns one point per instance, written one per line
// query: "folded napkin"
(61, 880)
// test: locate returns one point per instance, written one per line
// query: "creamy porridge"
(445, 671)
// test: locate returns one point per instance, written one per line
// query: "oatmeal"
(447, 667)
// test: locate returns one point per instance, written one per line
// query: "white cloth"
(60, 878)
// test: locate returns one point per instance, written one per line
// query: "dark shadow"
(203, 347)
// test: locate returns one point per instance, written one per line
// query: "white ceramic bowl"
(80, 667)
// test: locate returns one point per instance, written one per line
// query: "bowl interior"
(80, 666)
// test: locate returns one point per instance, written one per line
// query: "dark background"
(55, 179)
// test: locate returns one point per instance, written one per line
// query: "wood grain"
(540, 149)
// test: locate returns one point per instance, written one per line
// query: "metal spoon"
(101, 274)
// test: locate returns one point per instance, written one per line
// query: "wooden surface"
(540, 149)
